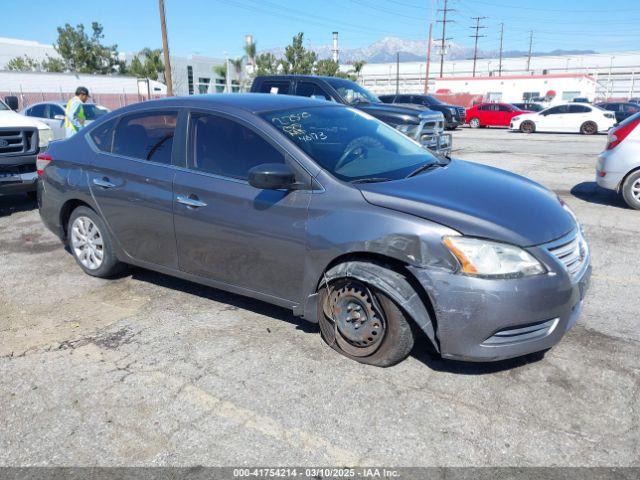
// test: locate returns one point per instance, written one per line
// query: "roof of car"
(252, 102)
(299, 77)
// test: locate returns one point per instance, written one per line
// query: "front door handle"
(190, 201)
(103, 182)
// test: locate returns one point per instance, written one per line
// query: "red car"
(491, 115)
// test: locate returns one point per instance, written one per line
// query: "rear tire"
(393, 338)
(631, 190)
(589, 128)
(475, 122)
(527, 127)
(91, 244)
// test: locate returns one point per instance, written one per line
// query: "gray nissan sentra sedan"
(322, 209)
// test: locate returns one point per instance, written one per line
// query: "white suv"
(21, 139)
(619, 165)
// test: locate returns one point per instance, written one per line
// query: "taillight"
(42, 160)
(618, 134)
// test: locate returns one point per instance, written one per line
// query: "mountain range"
(385, 50)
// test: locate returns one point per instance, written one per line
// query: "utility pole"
(501, 39)
(477, 35)
(444, 38)
(397, 73)
(428, 69)
(530, 50)
(165, 47)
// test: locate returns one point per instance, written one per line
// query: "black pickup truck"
(421, 124)
(454, 115)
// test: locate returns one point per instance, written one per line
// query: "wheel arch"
(67, 209)
(627, 175)
(384, 273)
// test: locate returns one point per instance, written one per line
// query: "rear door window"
(276, 87)
(146, 136)
(579, 109)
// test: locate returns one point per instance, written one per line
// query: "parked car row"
(52, 113)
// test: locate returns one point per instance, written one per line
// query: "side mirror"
(58, 117)
(12, 102)
(273, 176)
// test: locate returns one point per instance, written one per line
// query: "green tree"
(221, 71)
(266, 64)
(147, 64)
(297, 59)
(23, 64)
(327, 68)
(84, 53)
(53, 65)
(357, 67)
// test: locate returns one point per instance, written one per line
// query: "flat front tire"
(631, 190)
(364, 324)
(91, 244)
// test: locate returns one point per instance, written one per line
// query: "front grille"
(522, 333)
(17, 141)
(461, 113)
(572, 254)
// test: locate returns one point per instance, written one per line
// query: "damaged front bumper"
(480, 319)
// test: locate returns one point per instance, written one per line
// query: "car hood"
(374, 108)
(9, 118)
(477, 200)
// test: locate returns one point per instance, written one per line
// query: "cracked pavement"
(150, 370)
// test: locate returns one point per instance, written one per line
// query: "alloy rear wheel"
(589, 128)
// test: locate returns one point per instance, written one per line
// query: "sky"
(217, 27)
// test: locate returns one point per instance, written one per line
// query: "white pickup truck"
(21, 139)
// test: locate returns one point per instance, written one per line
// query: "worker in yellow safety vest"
(74, 118)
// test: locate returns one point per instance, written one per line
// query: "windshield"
(434, 101)
(3, 106)
(352, 92)
(91, 111)
(350, 144)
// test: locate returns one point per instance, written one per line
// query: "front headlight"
(484, 258)
(45, 135)
(409, 129)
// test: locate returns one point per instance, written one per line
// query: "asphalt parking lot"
(150, 370)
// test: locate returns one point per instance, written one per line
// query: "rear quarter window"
(102, 135)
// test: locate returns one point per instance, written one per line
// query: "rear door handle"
(190, 201)
(103, 182)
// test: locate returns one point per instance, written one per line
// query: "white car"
(619, 165)
(566, 118)
(52, 113)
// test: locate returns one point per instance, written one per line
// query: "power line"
(444, 38)
(476, 35)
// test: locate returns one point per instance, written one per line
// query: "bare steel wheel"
(363, 323)
(360, 324)
(589, 128)
(87, 243)
(91, 244)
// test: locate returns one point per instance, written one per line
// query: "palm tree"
(357, 67)
(250, 50)
(237, 67)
